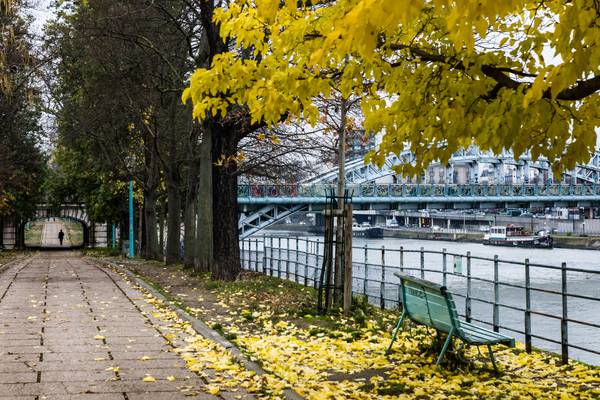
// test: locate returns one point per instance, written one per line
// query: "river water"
(370, 254)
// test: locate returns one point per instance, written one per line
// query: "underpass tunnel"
(45, 233)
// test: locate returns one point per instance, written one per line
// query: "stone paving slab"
(72, 331)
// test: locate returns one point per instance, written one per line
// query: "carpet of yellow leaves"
(339, 364)
(207, 358)
(323, 363)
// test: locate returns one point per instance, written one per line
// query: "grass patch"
(33, 233)
(74, 232)
(101, 252)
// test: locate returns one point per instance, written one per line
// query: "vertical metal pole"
(382, 286)
(287, 260)
(243, 254)
(468, 299)
(564, 328)
(264, 257)
(347, 267)
(316, 273)
(306, 263)
(496, 311)
(271, 261)
(264, 265)
(402, 258)
(366, 281)
(444, 267)
(279, 257)
(297, 260)
(256, 254)
(422, 256)
(527, 307)
(114, 236)
(131, 224)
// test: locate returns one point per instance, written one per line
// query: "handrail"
(299, 259)
(422, 190)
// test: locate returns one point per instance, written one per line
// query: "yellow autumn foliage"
(434, 75)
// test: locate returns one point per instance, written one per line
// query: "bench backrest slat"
(428, 303)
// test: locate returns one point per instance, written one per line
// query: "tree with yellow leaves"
(435, 75)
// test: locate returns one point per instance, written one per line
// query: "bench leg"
(395, 334)
(491, 353)
(445, 348)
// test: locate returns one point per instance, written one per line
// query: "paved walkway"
(70, 330)
(50, 234)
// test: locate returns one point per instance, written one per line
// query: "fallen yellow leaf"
(212, 389)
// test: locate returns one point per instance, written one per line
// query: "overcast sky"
(40, 12)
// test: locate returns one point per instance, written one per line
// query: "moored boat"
(368, 232)
(517, 236)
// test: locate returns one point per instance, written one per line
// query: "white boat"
(517, 236)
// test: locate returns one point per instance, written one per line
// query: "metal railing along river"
(552, 307)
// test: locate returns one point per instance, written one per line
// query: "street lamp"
(131, 225)
(131, 163)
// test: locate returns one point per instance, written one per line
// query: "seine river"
(512, 320)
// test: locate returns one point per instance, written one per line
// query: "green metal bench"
(429, 304)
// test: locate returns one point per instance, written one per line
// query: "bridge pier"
(8, 235)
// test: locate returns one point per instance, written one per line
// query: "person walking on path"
(61, 237)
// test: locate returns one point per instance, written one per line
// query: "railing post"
(422, 255)
(564, 328)
(255, 254)
(468, 298)
(250, 260)
(402, 258)
(306, 263)
(279, 257)
(496, 311)
(272, 259)
(366, 281)
(444, 267)
(527, 307)
(297, 260)
(287, 260)
(243, 255)
(256, 261)
(382, 286)
(316, 273)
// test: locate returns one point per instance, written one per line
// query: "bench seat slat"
(477, 335)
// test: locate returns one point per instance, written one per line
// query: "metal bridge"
(488, 181)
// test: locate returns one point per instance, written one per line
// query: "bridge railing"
(552, 307)
(416, 190)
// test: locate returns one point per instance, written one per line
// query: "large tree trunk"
(204, 223)
(226, 264)
(151, 245)
(150, 249)
(161, 229)
(189, 219)
(189, 235)
(173, 216)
